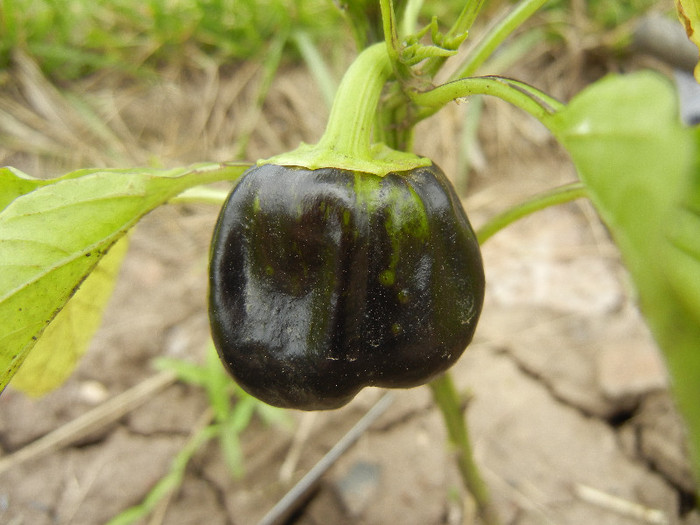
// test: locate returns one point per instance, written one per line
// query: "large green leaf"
(639, 165)
(53, 236)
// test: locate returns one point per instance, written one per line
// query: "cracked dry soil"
(569, 410)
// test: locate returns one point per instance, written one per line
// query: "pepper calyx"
(381, 159)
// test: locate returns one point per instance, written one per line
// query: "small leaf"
(639, 165)
(689, 14)
(187, 372)
(229, 439)
(52, 237)
(66, 339)
(416, 53)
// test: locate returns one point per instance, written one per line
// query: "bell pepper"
(343, 264)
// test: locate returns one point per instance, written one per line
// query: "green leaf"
(51, 238)
(639, 165)
(683, 234)
(689, 15)
(14, 183)
(66, 339)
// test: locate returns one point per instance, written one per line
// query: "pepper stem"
(346, 143)
(349, 128)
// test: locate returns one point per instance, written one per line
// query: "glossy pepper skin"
(325, 281)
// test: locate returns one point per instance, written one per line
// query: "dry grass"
(187, 116)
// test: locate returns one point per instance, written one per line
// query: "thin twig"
(300, 438)
(620, 506)
(300, 492)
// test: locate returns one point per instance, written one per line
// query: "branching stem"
(540, 105)
(560, 195)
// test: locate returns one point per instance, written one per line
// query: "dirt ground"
(569, 409)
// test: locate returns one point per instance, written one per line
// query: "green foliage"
(51, 238)
(639, 165)
(14, 183)
(66, 339)
(72, 38)
(232, 407)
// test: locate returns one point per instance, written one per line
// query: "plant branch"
(448, 401)
(566, 193)
(349, 128)
(530, 99)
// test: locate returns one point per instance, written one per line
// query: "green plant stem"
(466, 18)
(514, 52)
(346, 142)
(538, 104)
(448, 401)
(410, 16)
(566, 193)
(350, 123)
(524, 10)
(212, 171)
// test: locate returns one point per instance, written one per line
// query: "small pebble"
(358, 487)
(93, 392)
